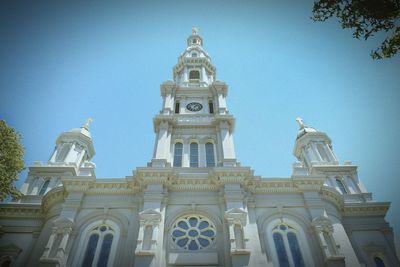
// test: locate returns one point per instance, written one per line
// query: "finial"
(300, 122)
(87, 122)
(194, 31)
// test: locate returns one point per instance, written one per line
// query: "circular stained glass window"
(193, 232)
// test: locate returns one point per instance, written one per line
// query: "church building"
(194, 204)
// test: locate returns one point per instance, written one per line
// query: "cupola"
(313, 147)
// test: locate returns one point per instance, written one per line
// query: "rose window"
(193, 232)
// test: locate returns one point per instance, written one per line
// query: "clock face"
(194, 106)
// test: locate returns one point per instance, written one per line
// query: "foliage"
(365, 17)
(11, 160)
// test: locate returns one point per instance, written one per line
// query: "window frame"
(43, 189)
(194, 78)
(339, 183)
(193, 163)
(175, 154)
(210, 154)
(85, 236)
(303, 241)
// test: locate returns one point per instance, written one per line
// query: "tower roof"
(194, 39)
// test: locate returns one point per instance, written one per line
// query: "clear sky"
(64, 61)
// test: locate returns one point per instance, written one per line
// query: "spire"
(86, 124)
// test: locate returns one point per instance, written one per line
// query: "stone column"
(162, 145)
(228, 150)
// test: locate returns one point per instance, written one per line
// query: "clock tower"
(194, 127)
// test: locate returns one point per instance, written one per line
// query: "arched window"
(194, 74)
(379, 262)
(210, 160)
(98, 248)
(178, 155)
(194, 54)
(287, 246)
(341, 186)
(194, 155)
(44, 187)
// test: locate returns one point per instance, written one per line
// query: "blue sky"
(66, 61)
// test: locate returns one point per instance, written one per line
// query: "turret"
(314, 151)
(312, 147)
(71, 157)
(73, 147)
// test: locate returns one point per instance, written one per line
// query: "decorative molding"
(366, 209)
(29, 211)
(52, 197)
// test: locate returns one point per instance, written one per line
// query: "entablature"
(206, 120)
(17, 210)
(334, 169)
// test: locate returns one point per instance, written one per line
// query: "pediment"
(150, 215)
(63, 222)
(236, 215)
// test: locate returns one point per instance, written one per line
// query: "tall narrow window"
(280, 250)
(177, 107)
(63, 151)
(178, 155)
(379, 262)
(105, 251)
(194, 155)
(295, 249)
(194, 74)
(90, 250)
(210, 160)
(322, 152)
(341, 186)
(287, 246)
(44, 187)
(211, 107)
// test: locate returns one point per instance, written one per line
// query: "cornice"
(52, 197)
(58, 169)
(112, 186)
(17, 210)
(333, 196)
(197, 61)
(334, 169)
(366, 209)
(284, 185)
(77, 183)
(193, 185)
(153, 175)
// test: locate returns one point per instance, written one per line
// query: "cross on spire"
(87, 122)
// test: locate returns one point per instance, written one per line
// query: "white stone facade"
(194, 205)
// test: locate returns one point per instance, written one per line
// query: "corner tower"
(194, 127)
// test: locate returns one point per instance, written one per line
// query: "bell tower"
(194, 127)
